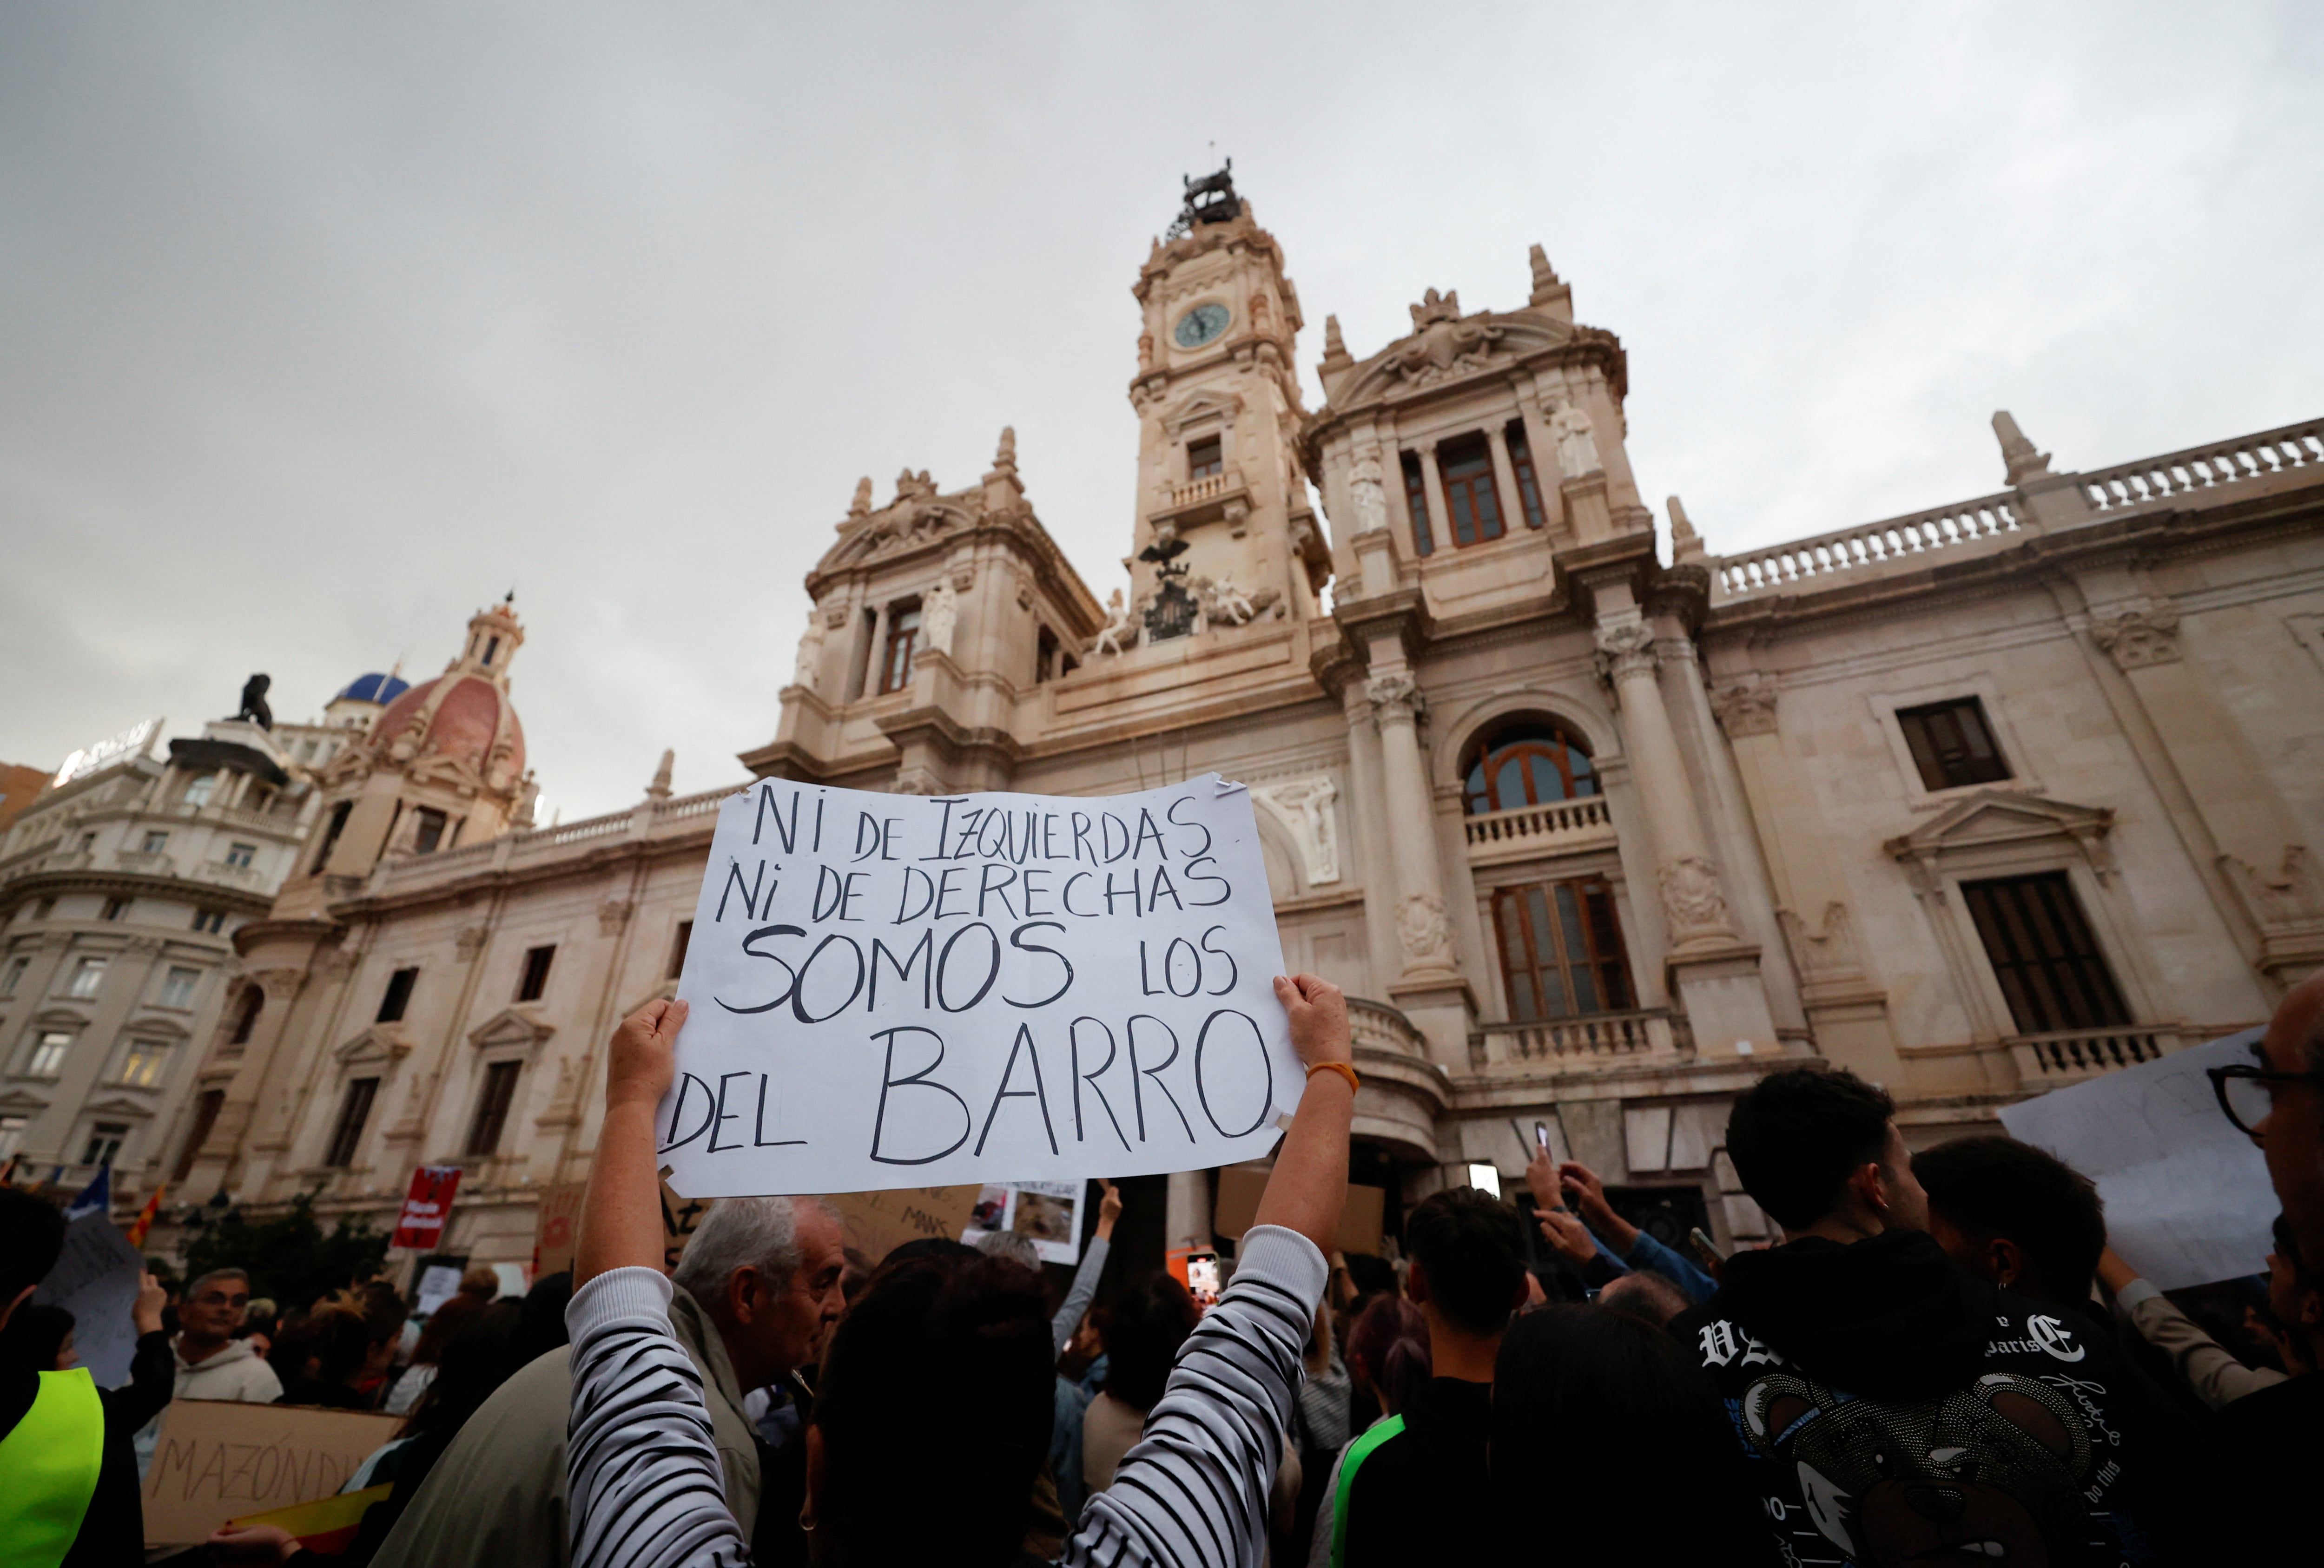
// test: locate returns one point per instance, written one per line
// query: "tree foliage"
(288, 1257)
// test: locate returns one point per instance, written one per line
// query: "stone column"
(1505, 479)
(1440, 511)
(1715, 976)
(1431, 988)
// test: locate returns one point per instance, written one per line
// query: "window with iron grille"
(398, 995)
(1952, 743)
(493, 1107)
(1416, 497)
(2051, 971)
(347, 1133)
(1470, 493)
(536, 973)
(1528, 485)
(1561, 950)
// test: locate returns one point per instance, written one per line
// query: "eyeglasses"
(212, 1298)
(2247, 1094)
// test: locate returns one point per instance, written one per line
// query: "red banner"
(426, 1207)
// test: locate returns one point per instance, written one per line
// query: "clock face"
(1200, 325)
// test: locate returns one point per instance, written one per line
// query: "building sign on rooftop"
(130, 743)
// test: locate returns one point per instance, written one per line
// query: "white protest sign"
(899, 990)
(2188, 1200)
(96, 1280)
(1046, 1214)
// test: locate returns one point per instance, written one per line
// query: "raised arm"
(1085, 1278)
(1193, 1493)
(641, 1465)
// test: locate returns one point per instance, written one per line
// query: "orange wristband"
(1341, 1068)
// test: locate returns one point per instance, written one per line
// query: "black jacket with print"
(1892, 1409)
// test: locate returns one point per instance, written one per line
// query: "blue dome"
(373, 687)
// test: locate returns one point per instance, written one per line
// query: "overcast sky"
(321, 325)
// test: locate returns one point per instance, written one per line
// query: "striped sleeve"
(1193, 1493)
(642, 1466)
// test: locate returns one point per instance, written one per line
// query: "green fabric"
(51, 1460)
(1358, 1452)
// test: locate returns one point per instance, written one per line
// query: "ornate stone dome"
(373, 687)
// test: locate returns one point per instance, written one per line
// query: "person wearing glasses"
(2279, 1101)
(212, 1364)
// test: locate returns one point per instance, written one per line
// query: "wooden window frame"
(494, 1098)
(1205, 456)
(537, 962)
(1558, 746)
(347, 1130)
(1416, 499)
(1583, 907)
(1944, 738)
(903, 638)
(1471, 496)
(2044, 953)
(1529, 479)
(396, 1000)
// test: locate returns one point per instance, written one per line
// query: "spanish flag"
(325, 1527)
(145, 1216)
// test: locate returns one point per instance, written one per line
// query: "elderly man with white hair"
(757, 1289)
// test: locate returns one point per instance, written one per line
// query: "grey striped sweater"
(644, 1470)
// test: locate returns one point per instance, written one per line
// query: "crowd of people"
(1942, 1360)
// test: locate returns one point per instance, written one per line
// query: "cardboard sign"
(877, 1224)
(2188, 1200)
(426, 1207)
(556, 1228)
(217, 1460)
(977, 988)
(1239, 1187)
(96, 1280)
(1047, 1213)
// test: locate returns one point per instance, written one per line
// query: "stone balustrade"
(534, 846)
(1554, 827)
(144, 863)
(230, 876)
(2046, 1061)
(1209, 487)
(1898, 539)
(1606, 1040)
(1377, 1026)
(2207, 467)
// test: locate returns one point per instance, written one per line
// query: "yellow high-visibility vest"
(51, 1460)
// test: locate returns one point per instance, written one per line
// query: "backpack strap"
(1358, 1452)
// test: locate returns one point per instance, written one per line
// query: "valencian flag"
(145, 1216)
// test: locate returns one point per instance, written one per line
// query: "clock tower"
(1223, 526)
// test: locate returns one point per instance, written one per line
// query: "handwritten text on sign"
(898, 989)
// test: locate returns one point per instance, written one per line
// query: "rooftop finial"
(1686, 545)
(1004, 456)
(659, 788)
(1335, 347)
(2018, 453)
(862, 506)
(1549, 289)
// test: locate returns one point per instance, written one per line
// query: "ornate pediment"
(517, 1026)
(1996, 821)
(160, 1028)
(1446, 346)
(916, 516)
(117, 1105)
(21, 1101)
(380, 1046)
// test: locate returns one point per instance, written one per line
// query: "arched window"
(1527, 764)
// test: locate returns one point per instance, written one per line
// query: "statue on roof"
(253, 702)
(1208, 201)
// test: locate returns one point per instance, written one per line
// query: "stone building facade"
(1975, 801)
(123, 882)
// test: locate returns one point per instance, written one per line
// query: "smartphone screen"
(1203, 1279)
(1540, 1135)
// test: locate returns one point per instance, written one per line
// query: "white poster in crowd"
(96, 1278)
(895, 990)
(2188, 1200)
(1046, 1214)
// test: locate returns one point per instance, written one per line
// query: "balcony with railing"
(1597, 1040)
(1553, 828)
(1376, 1026)
(2046, 1061)
(1213, 495)
(650, 820)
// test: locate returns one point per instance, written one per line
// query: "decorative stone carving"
(613, 914)
(279, 984)
(964, 576)
(1368, 491)
(939, 613)
(2287, 894)
(1625, 648)
(1829, 955)
(915, 781)
(1395, 694)
(1424, 931)
(1222, 601)
(1577, 447)
(862, 506)
(1692, 900)
(143, 947)
(809, 666)
(836, 617)
(2138, 637)
(1744, 710)
(469, 941)
(1443, 345)
(1145, 352)
(1120, 630)
(1304, 805)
